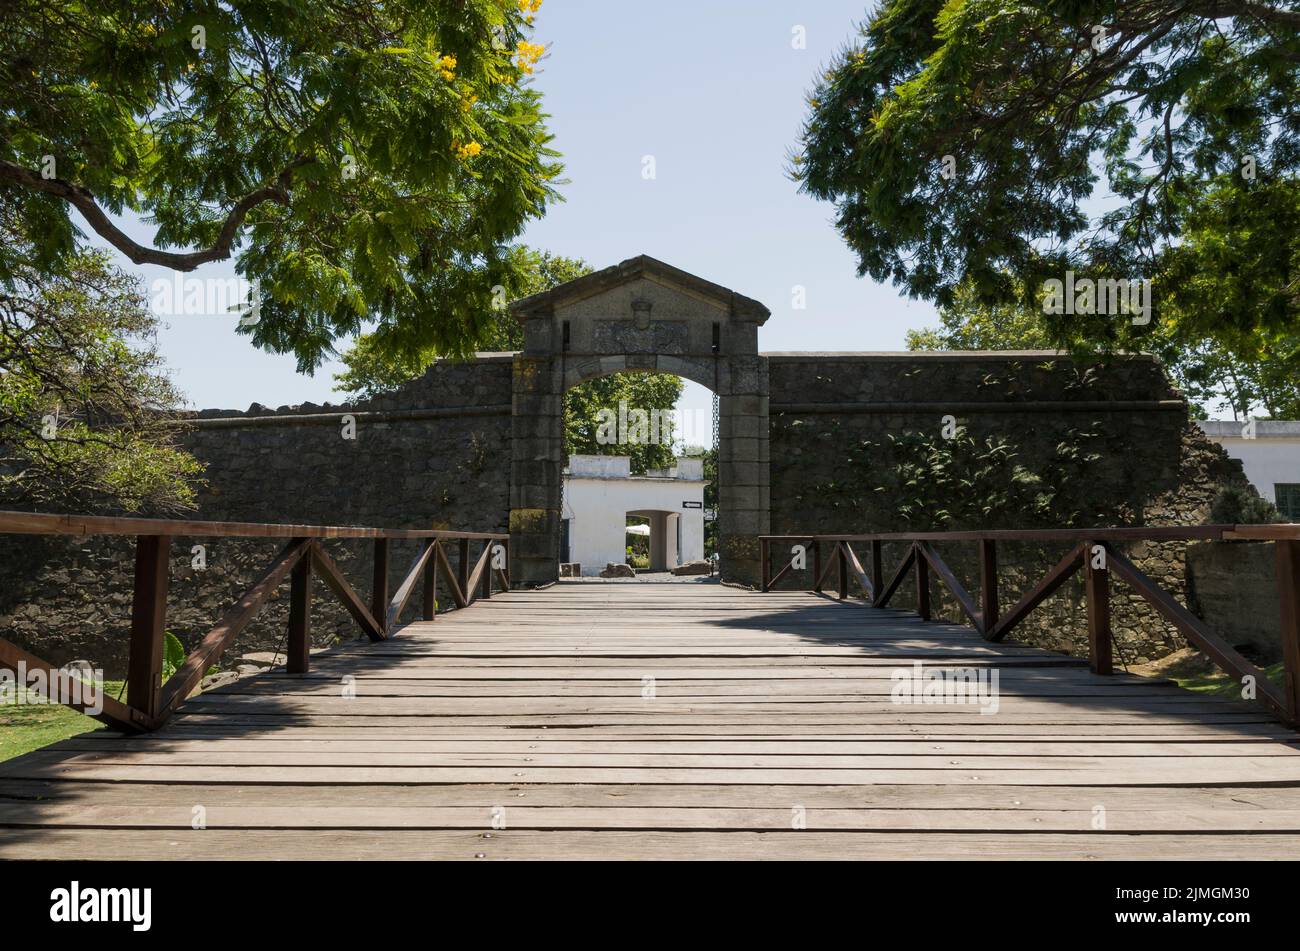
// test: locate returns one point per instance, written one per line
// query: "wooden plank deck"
(526, 727)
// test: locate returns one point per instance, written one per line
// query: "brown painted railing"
(150, 702)
(1094, 552)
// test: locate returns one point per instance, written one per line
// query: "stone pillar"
(672, 530)
(536, 470)
(658, 541)
(743, 481)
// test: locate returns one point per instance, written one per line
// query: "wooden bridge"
(683, 720)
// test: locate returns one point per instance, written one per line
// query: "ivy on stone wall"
(924, 481)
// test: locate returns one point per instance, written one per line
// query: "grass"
(25, 727)
(1192, 670)
(1220, 684)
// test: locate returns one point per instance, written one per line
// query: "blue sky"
(714, 91)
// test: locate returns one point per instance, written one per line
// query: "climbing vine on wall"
(924, 481)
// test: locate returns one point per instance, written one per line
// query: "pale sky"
(714, 91)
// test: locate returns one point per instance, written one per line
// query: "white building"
(1270, 455)
(600, 492)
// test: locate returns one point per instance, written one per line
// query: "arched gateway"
(639, 315)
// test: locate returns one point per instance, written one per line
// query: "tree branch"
(1256, 8)
(81, 199)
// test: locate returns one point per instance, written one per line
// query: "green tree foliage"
(84, 407)
(1118, 138)
(374, 364)
(1241, 505)
(966, 324)
(1207, 371)
(373, 368)
(1230, 321)
(361, 161)
(589, 406)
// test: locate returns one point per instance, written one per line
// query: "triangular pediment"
(615, 280)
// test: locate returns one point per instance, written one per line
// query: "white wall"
(1270, 458)
(600, 467)
(597, 509)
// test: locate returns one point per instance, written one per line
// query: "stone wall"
(1081, 447)
(1232, 586)
(1049, 443)
(433, 455)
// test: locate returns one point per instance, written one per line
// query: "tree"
(1230, 321)
(373, 367)
(374, 364)
(995, 145)
(1261, 383)
(85, 413)
(1205, 370)
(589, 408)
(360, 161)
(966, 324)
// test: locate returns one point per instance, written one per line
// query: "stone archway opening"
(639, 483)
(662, 540)
(639, 316)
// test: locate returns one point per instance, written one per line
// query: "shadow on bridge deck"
(672, 720)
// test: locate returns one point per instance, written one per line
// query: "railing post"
(462, 570)
(379, 590)
(148, 624)
(1288, 590)
(765, 556)
(505, 572)
(817, 564)
(299, 641)
(487, 570)
(988, 585)
(877, 569)
(1097, 586)
(843, 571)
(430, 606)
(922, 583)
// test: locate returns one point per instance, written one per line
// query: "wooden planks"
(681, 720)
(604, 845)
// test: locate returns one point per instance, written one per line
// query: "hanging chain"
(716, 424)
(717, 455)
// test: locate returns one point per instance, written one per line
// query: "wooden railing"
(150, 702)
(1092, 551)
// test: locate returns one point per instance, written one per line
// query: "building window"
(1288, 500)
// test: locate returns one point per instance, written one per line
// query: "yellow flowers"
(528, 54)
(467, 103)
(529, 7)
(468, 151)
(446, 64)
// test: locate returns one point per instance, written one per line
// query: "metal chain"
(716, 423)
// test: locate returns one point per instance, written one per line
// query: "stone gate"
(641, 315)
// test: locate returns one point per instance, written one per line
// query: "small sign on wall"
(692, 505)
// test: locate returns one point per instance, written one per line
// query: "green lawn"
(29, 726)
(1221, 685)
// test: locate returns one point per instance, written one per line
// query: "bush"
(1242, 505)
